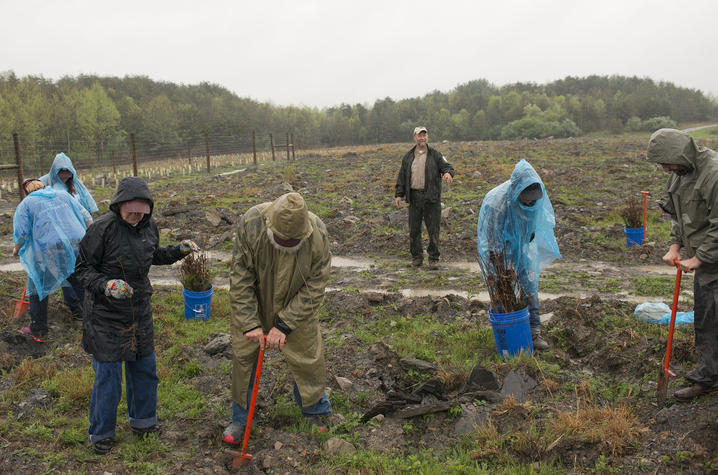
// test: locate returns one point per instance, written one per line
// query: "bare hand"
(257, 336)
(16, 250)
(276, 339)
(672, 254)
(397, 201)
(447, 177)
(689, 265)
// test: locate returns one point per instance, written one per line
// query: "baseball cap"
(419, 129)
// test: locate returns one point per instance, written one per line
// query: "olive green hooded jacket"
(266, 283)
(691, 199)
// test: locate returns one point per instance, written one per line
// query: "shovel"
(241, 459)
(21, 304)
(663, 372)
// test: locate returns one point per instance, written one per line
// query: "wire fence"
(106, 163)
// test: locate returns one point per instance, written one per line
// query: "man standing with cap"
(280, 267)
(691, 200)
(419, 184)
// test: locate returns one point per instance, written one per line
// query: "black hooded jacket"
(436, 166)
(120, 329)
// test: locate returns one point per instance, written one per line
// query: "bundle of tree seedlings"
(503, 284)
(194, 272)
(632, 213)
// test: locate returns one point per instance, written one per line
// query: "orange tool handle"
(645, 210)
(676, 291)
(253, 400)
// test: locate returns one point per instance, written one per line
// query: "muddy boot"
(233, 434)
(417, 261)
(691, 392)
(539, 343)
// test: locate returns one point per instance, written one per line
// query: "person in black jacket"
(419, 184)
(113, 265)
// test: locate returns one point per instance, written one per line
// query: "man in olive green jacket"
(280, 267)
(692, 201)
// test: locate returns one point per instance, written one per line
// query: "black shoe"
(143, 432)
(104, 446)
(318, 421)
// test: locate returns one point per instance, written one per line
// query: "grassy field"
(590, 406)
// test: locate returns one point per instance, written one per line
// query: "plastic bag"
(660, 313)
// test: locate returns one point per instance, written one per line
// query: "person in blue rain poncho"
(48, 226)
(516, 221)
(63, 177)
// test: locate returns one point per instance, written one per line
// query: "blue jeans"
(141, 386)
(321, 407)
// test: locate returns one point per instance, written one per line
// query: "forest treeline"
(100, 112)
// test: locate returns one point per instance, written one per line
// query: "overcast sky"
(323, 52)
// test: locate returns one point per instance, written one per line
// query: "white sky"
(323, 52)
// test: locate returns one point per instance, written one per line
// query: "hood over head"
(61, 162)
(673, 147)
(288, 218)
(129, 189)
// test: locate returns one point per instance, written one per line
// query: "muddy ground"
(600, 357)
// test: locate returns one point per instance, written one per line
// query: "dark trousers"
(420, 209)
(705, 311)
(72, 296)
(534, 317)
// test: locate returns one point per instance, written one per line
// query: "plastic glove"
(118, 288)
(188, 246)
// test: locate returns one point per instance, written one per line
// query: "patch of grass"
(654, 286)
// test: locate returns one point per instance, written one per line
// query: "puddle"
(13, 267)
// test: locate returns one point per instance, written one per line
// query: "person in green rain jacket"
(692, 201)
(280, 267)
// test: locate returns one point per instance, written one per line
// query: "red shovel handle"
(676, 291)
(255, 388)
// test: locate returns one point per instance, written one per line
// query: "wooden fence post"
(134, 154)
(189, 154)
(254, 147)
(293, 157)
(18, 162)
(114, 168)
(287, 146)
(271, 141)
(206, 149)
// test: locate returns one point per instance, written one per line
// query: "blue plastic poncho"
(49, 224)
(523, 233)
(52, 179)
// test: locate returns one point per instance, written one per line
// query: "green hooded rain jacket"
(691, 199)
(265, 283)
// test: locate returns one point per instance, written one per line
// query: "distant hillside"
(101, 111)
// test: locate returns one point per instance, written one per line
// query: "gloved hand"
(118, 288)
(188, 246)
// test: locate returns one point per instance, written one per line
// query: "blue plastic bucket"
(197, 304)
(634, 236)
(512, 332)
